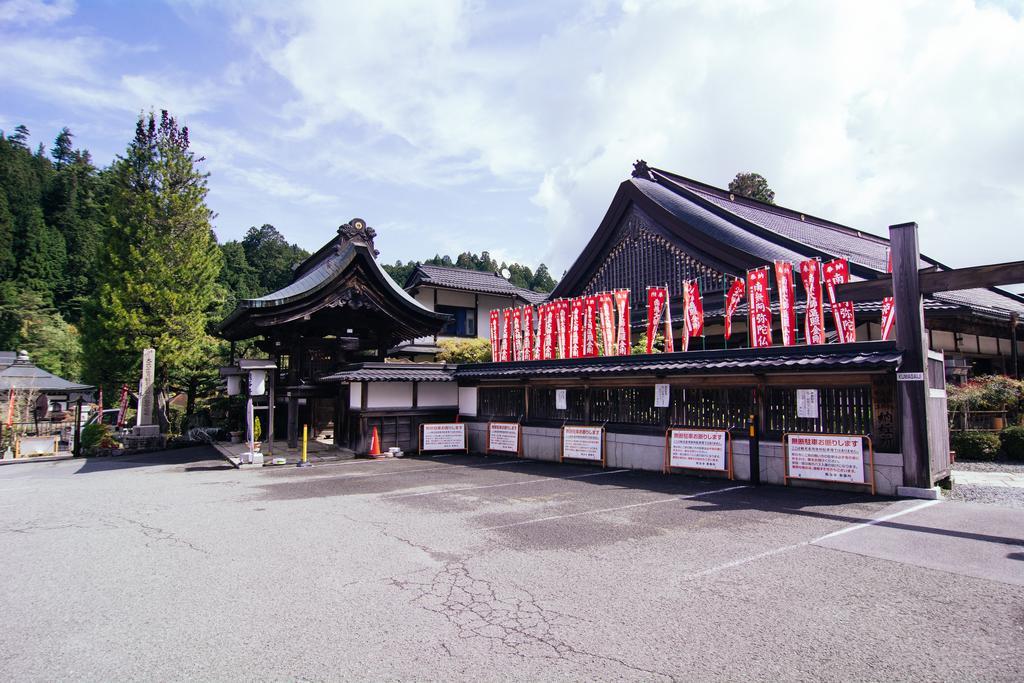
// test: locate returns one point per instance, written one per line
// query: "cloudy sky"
(507, 126)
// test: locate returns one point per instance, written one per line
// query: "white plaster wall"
(943, 341)
(447, 297)
(389, 395)
(467, 401)
(355, 395)
(487, 304)
(988, 345)
(432, 394)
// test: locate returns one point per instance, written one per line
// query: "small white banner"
(560, 402)
(832, 458)
(582, 443)
(444, 436)
(699, 449)
(503, 436)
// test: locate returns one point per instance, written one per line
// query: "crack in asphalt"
(158, 534)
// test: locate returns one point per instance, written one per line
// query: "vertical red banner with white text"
(505, 350)
(787, 307)
(527, 317)
(656, 299)
(837, 272)
(495, 335)
(517, 334)
(693, 312)
(759, 311)
(590, 327)
(814, 313)
(562, 327)
(623, 342)
(888, 303)
(606, 308)
(733, 297)
(576, 327)
(547, 331)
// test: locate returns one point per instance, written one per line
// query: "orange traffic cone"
(375, 445)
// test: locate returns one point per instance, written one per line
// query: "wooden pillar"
(1014, 365)
(912, 395)
(293, 422)
(270, 411)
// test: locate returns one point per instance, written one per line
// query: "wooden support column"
(293, 422)
(272, 397)
(912, 396)
(1014, 365)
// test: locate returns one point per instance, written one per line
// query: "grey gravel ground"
(174, 567)
(989, 495)
(997, 466)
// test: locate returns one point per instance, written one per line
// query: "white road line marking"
(535, 480)
(813, 541)
(621, 507)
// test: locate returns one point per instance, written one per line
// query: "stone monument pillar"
(144, 425)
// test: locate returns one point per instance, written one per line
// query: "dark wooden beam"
(932, 281)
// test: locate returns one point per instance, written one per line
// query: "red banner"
(517, 334)
(547, 331)
(562, 327)
(837, 272)
(576, 327)
(606, 306)
(122, 410)
(814, 314)
(495, 334)
(759, 313)
(787, 307)
(732, 301)
(526, 315)
(657, 299)
(888, 303)
(589, 327)
(693, 309)
(623, 342)
(505, 350)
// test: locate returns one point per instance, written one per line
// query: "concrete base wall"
(647, 452)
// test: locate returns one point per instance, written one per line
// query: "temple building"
(663, 228)
(340, 309)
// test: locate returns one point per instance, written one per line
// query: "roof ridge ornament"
(642, 170)
(356, 230)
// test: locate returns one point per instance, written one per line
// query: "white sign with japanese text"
(661, 395)
(699, 449)
(560, 400)
(807, 403)
(444, 436)
(832, 458)
(582, 443)
(503, 436)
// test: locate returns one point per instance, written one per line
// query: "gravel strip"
(1011, 466)
(991, 495)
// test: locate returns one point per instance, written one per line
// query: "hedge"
(975, 445)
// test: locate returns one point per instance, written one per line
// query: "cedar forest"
(98, 263)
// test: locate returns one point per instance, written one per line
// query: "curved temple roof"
(318, 284)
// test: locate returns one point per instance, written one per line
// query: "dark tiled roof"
(860, 356)
(471, 281)
(22, 374)
(393, 372)
(861, 248)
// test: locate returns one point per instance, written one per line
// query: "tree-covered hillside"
(539, 280)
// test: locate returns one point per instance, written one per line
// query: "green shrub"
(1012, 441)
(93, 435)
(464, 350)
(975, 445)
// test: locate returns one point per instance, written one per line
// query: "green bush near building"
(975, 445)
(1011, 441)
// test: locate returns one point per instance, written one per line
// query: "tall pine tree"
(159, 288)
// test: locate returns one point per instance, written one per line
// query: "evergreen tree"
(752, 185)
(159, 288)
(542, 280)
(44, 258)
(20, 137)
(61, 152)
(238, 278)
(7, 258)
(271, 257)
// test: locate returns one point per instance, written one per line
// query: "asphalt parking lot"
(176, 566)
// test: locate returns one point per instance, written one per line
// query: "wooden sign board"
(29, 446)
(698, 449)
(443, 436)
(583, 443)
(503, 437)
(828, 457)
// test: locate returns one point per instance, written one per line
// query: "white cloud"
(869, 113)
(35, 11)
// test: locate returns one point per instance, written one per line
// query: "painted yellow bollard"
(305, 437)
